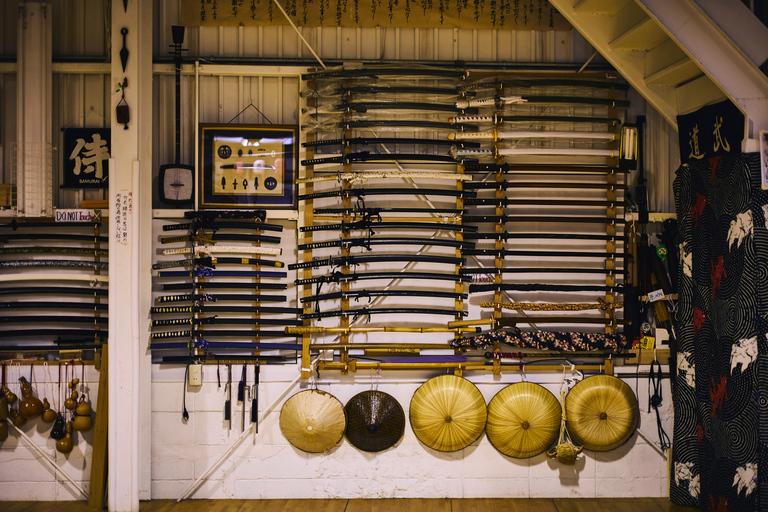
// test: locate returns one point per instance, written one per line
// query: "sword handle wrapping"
(175, 298)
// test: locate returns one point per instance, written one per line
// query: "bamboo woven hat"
(602, 413)
(448, 413)
(523, 420)
(375, 421)
(313, 420)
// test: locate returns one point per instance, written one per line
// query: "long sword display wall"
(541, 219)
(225, 293)
(54, 287)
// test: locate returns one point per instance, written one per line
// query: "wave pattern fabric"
(720, 390)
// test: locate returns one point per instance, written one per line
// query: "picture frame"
(248, 166)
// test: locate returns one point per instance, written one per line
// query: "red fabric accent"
(718, 393)
(721, 506)
(698, 319)
(714, 163)
(698, 208)
(699, 433)
(716, 274)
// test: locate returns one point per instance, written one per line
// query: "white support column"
(130, 180)
(34, 164)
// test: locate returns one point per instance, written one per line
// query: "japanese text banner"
(470, 14)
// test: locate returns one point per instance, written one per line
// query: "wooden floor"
(378, 505)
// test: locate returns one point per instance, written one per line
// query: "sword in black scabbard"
(374, 72)
(213, 215)
(55, 290)
(84, 251)
(372, 311)
(370, 224)
(221, 237)
(370, 141)
(363, 259)
(207, 272)
(476, 288)
(101, 265)
(502, 253)
(360, 192)
(503, 219)
(203, 308)
(368, 242)
(212, 225)
(224, 320)
(220, 333)
(338, 277)
(359, 294)
(211, 262)
(206, 297)
(366, 156)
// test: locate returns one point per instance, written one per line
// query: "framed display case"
(248, 166)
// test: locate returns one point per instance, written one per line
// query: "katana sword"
(69, 319)
(368, 141)
(367, 156)
(46, 305)
(503, 219)
(339, 176)
(480, 271)
(255, 345)
(368, 242)
(374, 311)
(374, 258)
(370, 225)
(4, 237)
(476, 288)
(211, 262)
(499, 101)
(506, 185)
(538, 169)
(17, 224)
(375, 211)
(338, 277)
(351, 124)
(224, 249)
(26, 333)
(217, 320)
(203, 308)
(219, 333)
(508, 201)
(460, 153)
(212, 215)
(207, 272)
(54, 250)
(199, 285)
(194, 226)
(360, 294)
(374, 72)
(496, 118)
(374, 88)
(102, 265)
(205, 297)
(363, 192)
(193, 359)
(544, 254)
(361, 107)
(80, 344)
(557, 236)
(462, 137)
(55, 290)
(495, 83)
(221, 237)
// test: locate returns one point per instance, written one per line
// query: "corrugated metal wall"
(81, 30)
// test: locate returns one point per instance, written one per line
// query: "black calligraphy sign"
(86, 157)
(711, 131)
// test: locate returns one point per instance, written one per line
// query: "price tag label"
(648, 342)
(656, 295)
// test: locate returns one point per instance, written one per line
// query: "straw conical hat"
(375, 421)
(602, 413)
(313, 420)
(448, 413)
(523, 420)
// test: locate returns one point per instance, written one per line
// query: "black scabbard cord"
(654, 400)
(184, 413)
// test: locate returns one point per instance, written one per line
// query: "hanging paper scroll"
(480, 14)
